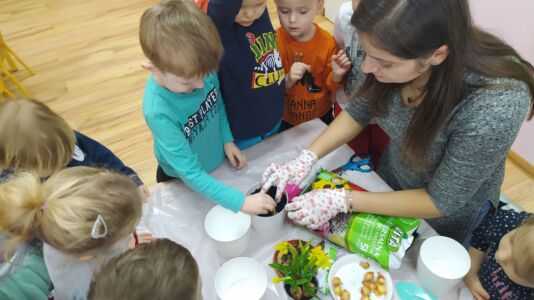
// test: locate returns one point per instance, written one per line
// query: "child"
(159, 270)
(84, 216)
(314, 67)
(502, 256)
(346, 36)
(372, 139)
(251, 72)
(183, 106)
(34, 138)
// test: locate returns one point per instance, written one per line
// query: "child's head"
(250, 11)
(34, 138)
(516, 254)
(158, 270)
(81, 211)
(296, 17)
(182, 44)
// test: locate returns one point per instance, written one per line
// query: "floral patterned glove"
(293, 171)
(315, 208)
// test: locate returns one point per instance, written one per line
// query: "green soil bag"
(384, 239)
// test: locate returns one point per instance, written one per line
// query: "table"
(176, 212)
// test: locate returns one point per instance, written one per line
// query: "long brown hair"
(414, 29)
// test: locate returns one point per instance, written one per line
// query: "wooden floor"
(86, 57)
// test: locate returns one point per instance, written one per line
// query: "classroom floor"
(87, 59)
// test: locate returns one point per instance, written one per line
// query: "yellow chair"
(7, 54)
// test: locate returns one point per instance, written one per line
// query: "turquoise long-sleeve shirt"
(189, 133)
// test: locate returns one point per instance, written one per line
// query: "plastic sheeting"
(176, 212)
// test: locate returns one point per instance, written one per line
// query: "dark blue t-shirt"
(486, 238)
(251, 74)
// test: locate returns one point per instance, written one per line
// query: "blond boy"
(160, 270)
(35, 138)
(183, 106)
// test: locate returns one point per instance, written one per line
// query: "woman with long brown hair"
(450, 96)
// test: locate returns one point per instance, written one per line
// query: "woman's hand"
(475, 287)
(293, 171)
(235, 156)
(258, 204)
(315, 208)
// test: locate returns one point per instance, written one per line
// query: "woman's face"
(388, 68)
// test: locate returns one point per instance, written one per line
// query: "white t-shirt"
(71, 277)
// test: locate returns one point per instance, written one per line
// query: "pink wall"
(512, 21)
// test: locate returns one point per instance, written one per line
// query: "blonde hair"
(179, 39)
(34, 138)
(158, 270)
(63, 210)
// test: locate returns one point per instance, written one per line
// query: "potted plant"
(296, 263)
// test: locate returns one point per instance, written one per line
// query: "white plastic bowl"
(241, 278)
(229, 230)
(441, 265)
(267, 225)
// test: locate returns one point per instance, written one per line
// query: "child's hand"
(296, 73)
(143, 238)
(475, 287)
(258, 204)
(340, 65)
(144, 192)
(235, 156)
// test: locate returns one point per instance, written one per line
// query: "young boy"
(34, 138)
(311, 60)
(183, 106)
(159, 270)
(251, 72)
(502, 256)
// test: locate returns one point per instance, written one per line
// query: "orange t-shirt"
(309, 99)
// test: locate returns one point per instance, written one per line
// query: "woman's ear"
(439, 56)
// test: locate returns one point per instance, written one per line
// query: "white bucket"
(241, 278)
(441, 265)
(229, 230)
(267, 224)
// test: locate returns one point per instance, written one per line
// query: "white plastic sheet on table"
(176, 212)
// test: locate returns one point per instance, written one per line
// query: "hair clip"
(99, 222)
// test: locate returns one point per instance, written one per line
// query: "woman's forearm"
(408, 203)
(343, 129)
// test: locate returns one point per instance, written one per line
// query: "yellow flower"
(276, 280)
(322, 260)
(282, 248)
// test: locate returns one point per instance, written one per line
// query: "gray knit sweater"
(467, 156)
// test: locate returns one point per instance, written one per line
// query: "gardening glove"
(293, 171)
(315, 208)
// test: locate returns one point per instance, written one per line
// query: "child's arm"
(177, 152)
(103, 157)
(471, 279)
(337, 66)
(223, 12)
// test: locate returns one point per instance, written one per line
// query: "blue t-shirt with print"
(190, 130)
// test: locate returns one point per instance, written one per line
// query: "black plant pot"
(279, 206)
